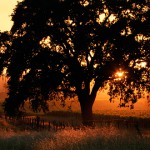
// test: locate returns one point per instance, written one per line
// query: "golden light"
(119, 74)
(45, 42)
(101, 18)
(143, 64)
(112, 18)
(140, 64)
(6, 8)
(4, 71)
(68, 21)
(84, 3)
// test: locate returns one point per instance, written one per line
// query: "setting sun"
(119, 74)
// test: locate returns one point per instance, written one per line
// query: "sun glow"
(120, 74)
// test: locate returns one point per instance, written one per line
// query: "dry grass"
(100, 138)
(104, 138)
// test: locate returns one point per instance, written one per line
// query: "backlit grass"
(101, 138)
(105, 138)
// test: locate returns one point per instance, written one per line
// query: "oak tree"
(59, 47)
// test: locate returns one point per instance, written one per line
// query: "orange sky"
(6, 8)
(102, 100)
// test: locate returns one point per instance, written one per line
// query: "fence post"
(49, 125)
(37, 122)
(43, 124)
(32, 123)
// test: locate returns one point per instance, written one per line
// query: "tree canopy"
(59, 47)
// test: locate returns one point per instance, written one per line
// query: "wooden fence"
(37, 123)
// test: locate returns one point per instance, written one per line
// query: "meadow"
(103, 137)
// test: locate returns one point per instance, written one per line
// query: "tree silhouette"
(5, 44)
(60, 47)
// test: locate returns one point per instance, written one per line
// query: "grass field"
(12, 137)
(68, 139)
(105, 137)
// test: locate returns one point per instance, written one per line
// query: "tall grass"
(100, 138)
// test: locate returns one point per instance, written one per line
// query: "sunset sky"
(6, 9)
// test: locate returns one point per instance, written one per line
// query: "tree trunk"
(86, 99)
(87, 114)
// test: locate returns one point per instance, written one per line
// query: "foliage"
(5, 44)
(60, 47)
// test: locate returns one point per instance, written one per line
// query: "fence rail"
(35, 122)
